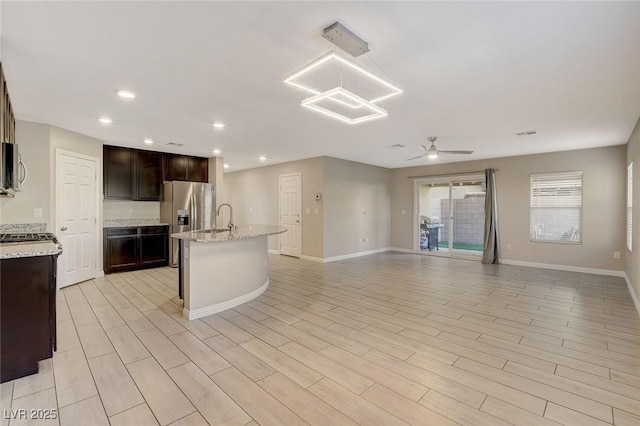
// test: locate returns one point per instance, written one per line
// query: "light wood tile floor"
(384, 339)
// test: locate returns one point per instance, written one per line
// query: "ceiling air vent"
(397, 145)
(527, 133)
(175, 144)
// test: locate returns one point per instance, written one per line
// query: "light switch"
(316, 210)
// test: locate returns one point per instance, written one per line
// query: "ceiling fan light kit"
(319, 78)
(432, 152)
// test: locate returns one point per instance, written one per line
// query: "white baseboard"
(312, 258)
(223, 306)
(633, 294)
(596, 271)
(100, 274)
(273, 251)
(402, 250)
(344, 256)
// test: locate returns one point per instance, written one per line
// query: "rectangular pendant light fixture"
(337, 95)
(334, 56)
(356, 100)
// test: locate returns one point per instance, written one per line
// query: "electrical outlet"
(403, 211)
(250, 210)
(130, 212)
(307, 210)
(316, 211)
(616, 255)
(37, 212)
(508, 246)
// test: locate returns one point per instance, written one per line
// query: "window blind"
(629, 206)
(556, 207)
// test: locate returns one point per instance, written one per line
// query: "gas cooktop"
(27, 237)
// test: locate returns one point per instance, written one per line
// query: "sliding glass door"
(451, 216)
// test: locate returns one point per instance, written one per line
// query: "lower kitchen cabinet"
(28, 311)
(130, 248)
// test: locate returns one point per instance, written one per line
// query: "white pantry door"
(290, 218)
(76, 217)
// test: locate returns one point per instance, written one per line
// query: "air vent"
(175, 144)
(527, 133)
(397, 145)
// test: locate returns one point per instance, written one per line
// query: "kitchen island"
(221, 269)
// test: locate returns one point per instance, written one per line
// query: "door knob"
(297, 221)
(63, 228)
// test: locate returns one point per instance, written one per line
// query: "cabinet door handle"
(63, 228)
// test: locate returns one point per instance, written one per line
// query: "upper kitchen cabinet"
(7, 120)
(198, 169)
(175, 167)
(131, 174)
(147, 176)
(183, 167)
(118, 173)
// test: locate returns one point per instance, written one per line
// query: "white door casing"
(290, 217)
(76, 217)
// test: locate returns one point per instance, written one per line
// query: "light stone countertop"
(132, 222)
(241, 232)
(28, 249)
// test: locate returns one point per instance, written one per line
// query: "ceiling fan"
(432, 152)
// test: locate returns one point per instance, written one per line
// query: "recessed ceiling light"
(218, 125)
(148, 141)
(263, 158)
(105, 120)
(125, 94)
(216, 152)
(226, 166)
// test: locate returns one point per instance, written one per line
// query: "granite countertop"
(29, 249)
(132, 222)
(241, 232)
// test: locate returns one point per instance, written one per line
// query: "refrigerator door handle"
(194, 211)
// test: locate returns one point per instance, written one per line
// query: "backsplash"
(131, 221)
(130, 209)
(23, 227)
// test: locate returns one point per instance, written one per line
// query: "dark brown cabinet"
(28, 314)
(183, 167)
(175, 167)
(135, 174)
(118, 173)
(148, 176)
(130, 248)
(132, 174)
(198, 169)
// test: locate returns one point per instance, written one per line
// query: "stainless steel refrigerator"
(187, 206)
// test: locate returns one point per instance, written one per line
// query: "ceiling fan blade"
(455, 152)
(415, 158)
(424, 147)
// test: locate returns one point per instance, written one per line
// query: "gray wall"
(254, 195)
(357, 204)
(603, 205)
(33, 143)
(633, 258)
(38, 144)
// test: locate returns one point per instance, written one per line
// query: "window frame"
(559, 175)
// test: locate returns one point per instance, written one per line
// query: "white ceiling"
(473, 74)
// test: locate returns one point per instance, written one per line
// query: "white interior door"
(76, 217)
(290, 217)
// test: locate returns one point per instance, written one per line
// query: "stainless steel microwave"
(12, 170)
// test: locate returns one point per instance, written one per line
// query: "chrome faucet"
(230, 225)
